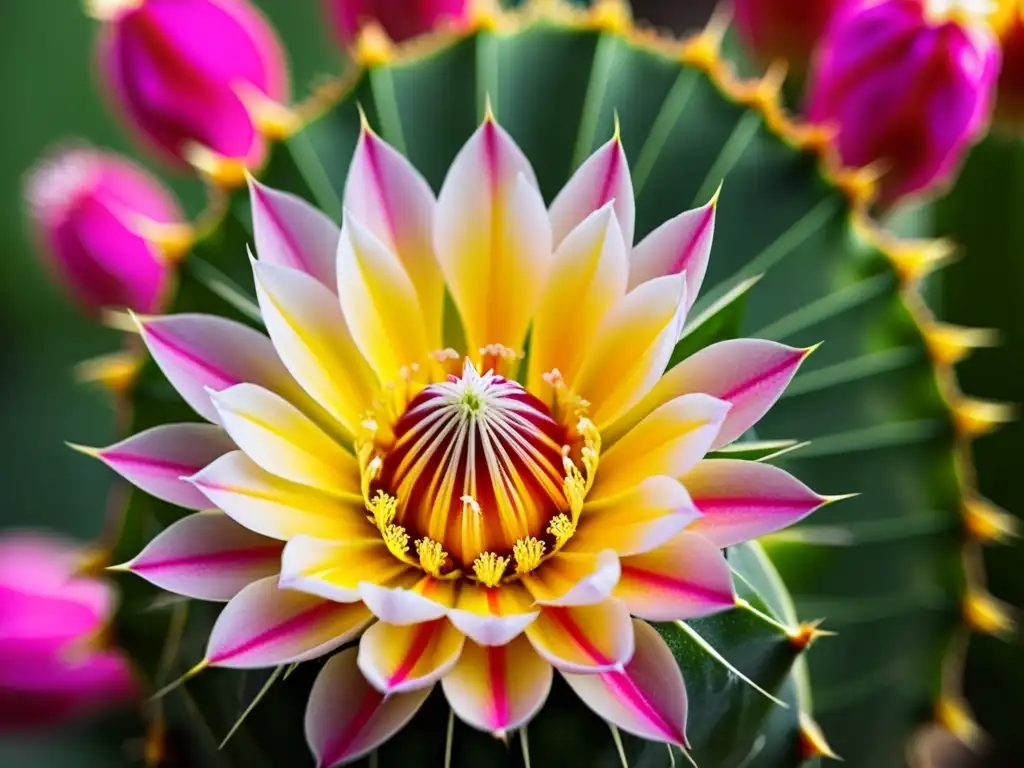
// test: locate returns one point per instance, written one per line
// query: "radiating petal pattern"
(157, 459)
(289, 232)
(685, 579)
(669, 441)
(574, 578)
(347, 717)
(647, 698)
(309, 331)
(492, 238)
(207, 556)
(585, 639)
(396, 659)
(636, 520)
(498, 688)
(741, 500)
(493, 616)
(334, 569)
(387, 195)
(265, 626)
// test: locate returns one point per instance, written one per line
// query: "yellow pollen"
(397, 540)
(489, 568)
(562, 528)
(432, 556)
(382, 508)
(528, 553)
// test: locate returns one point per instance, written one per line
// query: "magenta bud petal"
(96, 216)
(185, 73)
(51, 664)
(783, 29)
(909, 89)
(401, 21)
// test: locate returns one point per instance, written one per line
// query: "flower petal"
(386, 194)
(492, 616)
(680, 245)
(396, 659)
(426, 600)
(379, 303)
(264, 626)
(157, 459)
(289, 232)
(685, 579)
(277, 436)
(334, 569)
(750, 374)
(670, 441)
(586, 639)
(207, 556)
(587, 278)
(493, 238)
(574, 578)
(310, 334)
(498, 688)
(635, 340)
(636, 520)
(266, 504)
(198, 353)
(347, 717)
(603, 178)
(647, 698)
(741, 500)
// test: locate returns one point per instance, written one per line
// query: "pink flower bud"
(908, 84)
(400, 19)
(196, 78)
(51, 664)
(95, 216)
(783, 29)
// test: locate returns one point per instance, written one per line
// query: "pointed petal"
(636, 520)
(386, 194)
(493, 238)
(680, 245)
(264, 626)
(647, 698)
(586, 639)
(379, 303)
(670, 441)
(635, 340)
(587, 278)
(493, 616)
(266, 504)
(498, 688)
(334, 569)
(310, 334)
(207, 556)
(278, 437)
(426, 600)
(157, 459)
(574, 578)
(289, 232)
(741, 500)
(198, 353)
(603, 178)
(347, 717)
(751, 374)
(397, 659)
(685, 579)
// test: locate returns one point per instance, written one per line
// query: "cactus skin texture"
(797, 260)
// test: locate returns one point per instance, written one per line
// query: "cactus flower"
(199, 80)
(477, 516)
(909, 85)
(783, 29)
(98, 217)
(401, 20)
(51, 664)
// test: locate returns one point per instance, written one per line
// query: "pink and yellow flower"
(479, 507)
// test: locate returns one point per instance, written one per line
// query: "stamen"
(489, 568)
(448, 360)
(382, 510)
(397, 541)
(562, 528)
(499, 359)
(432, 556)
(528, 553)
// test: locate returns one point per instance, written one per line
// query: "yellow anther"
(489, 568)
(382, 510)
(528, 553)
(397, 540)
(502, 360)
(432, 556)
(369, 472)
(562, 528)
